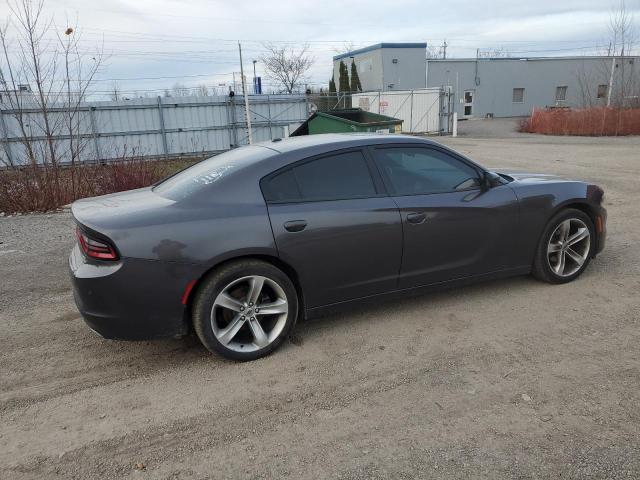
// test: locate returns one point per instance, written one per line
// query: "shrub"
(600, 121)
(43, 188)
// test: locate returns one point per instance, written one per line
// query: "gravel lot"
(506, 379)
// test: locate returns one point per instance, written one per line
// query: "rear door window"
(282, 187)
(335, 177)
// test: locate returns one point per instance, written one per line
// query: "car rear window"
(207, 173)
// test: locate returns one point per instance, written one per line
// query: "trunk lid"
(119, 210)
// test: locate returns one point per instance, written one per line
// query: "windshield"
(207, 172)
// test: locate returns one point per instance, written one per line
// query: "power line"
(162, 37)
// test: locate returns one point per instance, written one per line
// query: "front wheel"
(566, 247)
(245, 309)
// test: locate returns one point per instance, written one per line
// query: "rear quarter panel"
(227, 220)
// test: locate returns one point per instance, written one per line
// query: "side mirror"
(490, 180)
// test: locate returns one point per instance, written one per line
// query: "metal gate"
(426, 110)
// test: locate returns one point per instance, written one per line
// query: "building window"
(561, 94)
(518, 95)
(602, 91)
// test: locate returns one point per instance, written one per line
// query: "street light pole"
(255, 82)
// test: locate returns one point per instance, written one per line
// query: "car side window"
(282, 187)
(335, 177)
(415, 171)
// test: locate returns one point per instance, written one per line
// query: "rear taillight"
(95, 248)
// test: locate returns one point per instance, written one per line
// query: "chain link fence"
(422, 111)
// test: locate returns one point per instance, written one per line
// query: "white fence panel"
(419, 110)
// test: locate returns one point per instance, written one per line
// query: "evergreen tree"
(343, 80)
(332, 85)
(356, 86)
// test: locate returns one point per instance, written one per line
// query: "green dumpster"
(348, 120)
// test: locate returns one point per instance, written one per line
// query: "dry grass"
(41, 189)
(594, 122)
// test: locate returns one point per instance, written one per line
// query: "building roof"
(378, 46)
(527, 59)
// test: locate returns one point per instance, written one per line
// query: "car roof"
(330, 141)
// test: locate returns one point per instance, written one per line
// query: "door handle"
(295, 225)
(416, 217)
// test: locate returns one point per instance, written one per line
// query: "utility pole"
(613, 69)
(444, 50)
(246, 97)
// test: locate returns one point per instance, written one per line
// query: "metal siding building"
(508, 87)
(387, 66)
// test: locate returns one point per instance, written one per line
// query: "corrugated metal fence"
(189, 126)
(150, 127)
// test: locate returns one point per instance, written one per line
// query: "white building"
(386, 66)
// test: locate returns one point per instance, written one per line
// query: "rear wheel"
(245, 309)
(566, 247)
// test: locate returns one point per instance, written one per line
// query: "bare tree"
(114, 92)
(346, 47)
(179, 90)
(585, 81)
(77, 77)
(287, 66)
(611, 81)
(44, 77)
(622, 37)
(202, 90)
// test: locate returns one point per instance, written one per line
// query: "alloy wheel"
(568, 247)
(249, 313)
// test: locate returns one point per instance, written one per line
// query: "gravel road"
(506, 379)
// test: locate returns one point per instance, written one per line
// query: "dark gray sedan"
(243, 244)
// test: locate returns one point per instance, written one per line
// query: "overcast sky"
(152, 44)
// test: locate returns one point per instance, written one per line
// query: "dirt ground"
(506, 379)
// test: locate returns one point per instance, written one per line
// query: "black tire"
(542, 269)
(220, 279)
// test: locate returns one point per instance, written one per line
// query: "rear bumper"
(131, 299)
